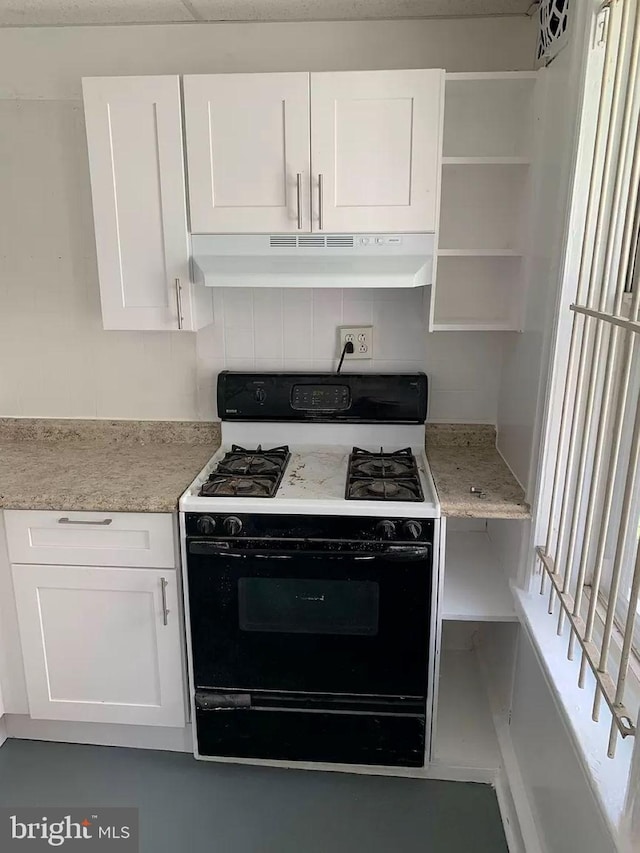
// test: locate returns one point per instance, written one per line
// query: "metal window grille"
(553, 29)
(591, 555)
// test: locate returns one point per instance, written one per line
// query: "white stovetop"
(315, 479)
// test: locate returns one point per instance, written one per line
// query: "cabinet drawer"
(91, 538)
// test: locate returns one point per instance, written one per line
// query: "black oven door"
(322, 618)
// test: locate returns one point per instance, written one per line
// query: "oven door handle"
(398, 553)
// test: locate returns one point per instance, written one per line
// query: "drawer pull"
(165, 610)
(67, 520)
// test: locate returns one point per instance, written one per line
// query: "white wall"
(523, 385)
(55, 358)
(565, 809)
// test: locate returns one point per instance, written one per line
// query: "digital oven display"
(320, 398)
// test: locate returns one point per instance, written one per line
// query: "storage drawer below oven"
(343, 736)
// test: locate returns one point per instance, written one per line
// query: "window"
(590, 554)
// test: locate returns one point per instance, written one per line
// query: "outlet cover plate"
(362, 339)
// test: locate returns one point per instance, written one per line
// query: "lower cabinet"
(101, 644)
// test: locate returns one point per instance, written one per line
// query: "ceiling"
(16, 13)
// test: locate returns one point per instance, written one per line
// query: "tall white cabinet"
(134, 136)
(336, 151)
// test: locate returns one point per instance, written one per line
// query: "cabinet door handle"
(320, 202)
(299, 198)
(103, 523)
(165, 610)
(179, 303)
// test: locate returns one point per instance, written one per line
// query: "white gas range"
(310, 543)
(314, 479)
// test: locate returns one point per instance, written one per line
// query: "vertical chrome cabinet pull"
(179, 303)
(320, 202)
(165, 610)
(299, 198)
(67, 520)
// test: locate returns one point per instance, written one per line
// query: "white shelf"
(481, 76)
(479, 253)
(475, 588)
(486, 161)
(465, 735)
(470, 326)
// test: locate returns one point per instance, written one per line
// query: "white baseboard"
(517, 812)
(509, 814)
(99, 734)
(517, 817)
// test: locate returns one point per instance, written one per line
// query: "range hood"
(313, 260)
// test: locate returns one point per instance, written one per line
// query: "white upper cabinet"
(248, 152)
(343, 152)
(376, 149)
(134, 135)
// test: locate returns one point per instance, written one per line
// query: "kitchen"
(112, 410)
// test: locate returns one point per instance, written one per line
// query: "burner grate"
(383, 476)
(247, 473)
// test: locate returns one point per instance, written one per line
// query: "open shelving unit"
(485, 191)
(464, 731)
(475, 586)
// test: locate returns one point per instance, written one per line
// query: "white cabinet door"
(376, 143)
(101, 644)
(248, 152)
(134, 135)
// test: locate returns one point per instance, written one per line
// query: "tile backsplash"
(297, 329)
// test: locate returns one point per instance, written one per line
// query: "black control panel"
(323, 397)
(220, 526)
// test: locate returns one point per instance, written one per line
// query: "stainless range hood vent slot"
(340, 240)
(311, 240)
(315, 241)
(279, 241)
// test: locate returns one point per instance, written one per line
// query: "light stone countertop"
(144, 466)
(465, 455)
(104, 466)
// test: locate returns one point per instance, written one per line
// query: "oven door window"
(308, 606)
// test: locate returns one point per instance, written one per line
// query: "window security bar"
(598, 399)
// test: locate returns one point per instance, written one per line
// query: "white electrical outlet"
(362, 339)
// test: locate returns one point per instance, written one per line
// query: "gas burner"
(238, 487)
(382, 466)
(383, 476)
(247, 473)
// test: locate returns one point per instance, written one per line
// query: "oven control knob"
(232, 526)
(412, 529)
(206, 525)
(386, 529)
(261, 395)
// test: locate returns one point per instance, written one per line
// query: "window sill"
(607, 777)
